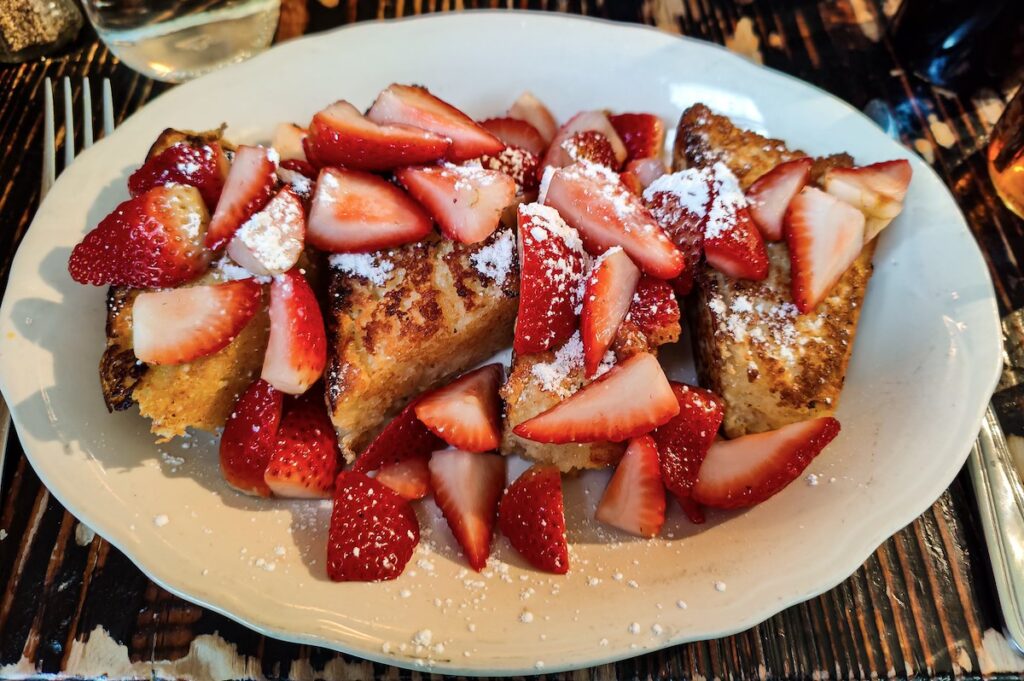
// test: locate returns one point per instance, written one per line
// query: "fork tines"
(49, 128)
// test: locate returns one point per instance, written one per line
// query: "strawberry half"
(466, 201)
(297, 348)
(271, 241)
(305, 458)
(415, 106)
(466, 413)
(249, 186)
(519, 164)
(203, 167)
(770, 196)
(179, 325)
(551, 263)
(532, 515)
(605, 213)
(353, 211)
(825, 235)
(154, 240)
(404, 437)
(250, 437)
(596, 121)
(654, 307)
(630, 400)
(410, 477)
(746, 471)
(592, 147)
(684, 441)
(680, 203)
(878, 190)
(341, 136)
(640, 173)
(634, 500)
(643, 134)
(606, 301)
(530, 109)
(467, 488)
(373, 531)
(516, 133)
(732, 243)
(287, 142)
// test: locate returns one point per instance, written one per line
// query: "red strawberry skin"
(516, 133)
(606, 301)
(592, 146)
(203, 167)
(642, 133)
(685, 227)
(467, 488)
(373, 531)
(519, 164)
(532, 516)
(654, 307)
(154, 240)
(249, 185)
(738, 252)
(405, 436)
(250, 437)
(305, 458)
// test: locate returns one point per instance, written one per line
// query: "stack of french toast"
(325, 303)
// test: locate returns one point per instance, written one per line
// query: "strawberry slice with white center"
(204, 167)
(250, 436)
(770, 196)
(643, 134)
(596, 121)
(297, 348)
(532, 515)
(516, 133)
(825, 235)
(634, 500)
(404, 437)
(732, 243)
(466, 413)
(305, 457)
(341, 136)
(746, 471)
(271, 241)
(415, 106)
(467, 488)
(287, 141)
(551, 264)
(182, 324)
(249, 186)
(592, 200)
(373, 531)
(640, 173)
(354, 212)
(530, 109)
(606, 300)
(878, 190)
(684, 441)
(466, 201)
(410, 477)
(630, 400)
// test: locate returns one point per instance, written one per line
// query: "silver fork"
(50, 170)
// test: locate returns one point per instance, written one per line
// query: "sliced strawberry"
(746, 471)
(551, 263)
(295, 165)
(596, 121)
(683, 443)
(825, 236)
(154, 240)
(878, 190)
(466, 201)
(606, 300)
(287, 142)
(634, 500)
(654, 306)
(631, 182)
(769, 197)
(530, 109)
(640, 173)
(271, 241)
(516, 133)
(182, 324)
(519, 164)
(590, 146)
(353, 211)
(680, 203)
(373, 531)
(404, 437)
(340, 135)
(466, 413)
(643, 134)
(297, 349)
(467, 488)
(732, 243)
(415, 106)
(299, 177)
(606, 214)
(249, 186)
(410, 477)
(203, 167)
(532, 515)
(250, 437)
(305, 458)
(630, 400)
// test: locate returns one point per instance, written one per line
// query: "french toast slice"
(771, 365)
(401, 320)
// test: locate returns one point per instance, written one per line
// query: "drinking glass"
(175, 40)
(1006, 154)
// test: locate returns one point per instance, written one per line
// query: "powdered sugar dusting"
(495, 260)
(545, 181)
(711, 195)
(689, 187)
(547, 218)
(777, 327)
(273, 236)
(568, 358)
(469, 177)
(369, 266)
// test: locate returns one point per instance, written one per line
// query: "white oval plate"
(926, 360)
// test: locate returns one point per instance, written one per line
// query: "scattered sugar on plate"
(161, 520)
(720, 586)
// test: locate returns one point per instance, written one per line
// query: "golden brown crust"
(169, 137)
(120, 370)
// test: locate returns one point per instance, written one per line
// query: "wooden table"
(922, 605)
